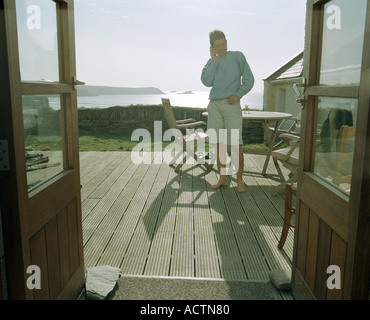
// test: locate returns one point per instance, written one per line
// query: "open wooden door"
(331, 255)
(40, 177)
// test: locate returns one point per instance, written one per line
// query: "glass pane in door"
(335, 142)
(43, 136)
(342, 45)
(38, 40)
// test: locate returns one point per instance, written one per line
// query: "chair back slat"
(168, 113)
(187, 149)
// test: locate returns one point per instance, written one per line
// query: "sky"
(165, 43)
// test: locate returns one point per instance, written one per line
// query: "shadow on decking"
(229, 235)
(148, 220)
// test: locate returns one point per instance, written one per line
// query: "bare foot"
(241, 187)
(219, 185)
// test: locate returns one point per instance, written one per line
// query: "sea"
(194, 99)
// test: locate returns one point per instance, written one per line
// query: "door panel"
(44, 204)
(53, 249)
(323, 251)
(322, 248)
(334, 205)
(331, 163)
(45, 224)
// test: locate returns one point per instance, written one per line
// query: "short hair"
(216, 35)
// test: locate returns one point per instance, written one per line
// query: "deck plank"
(129, 208)
(206, 257)
(272, 209)
(95, 162)
(100, 173)
(137, 253)
(159, 257)
(231, 264)
(148, 220)
(249, 246)
(108, 177)
(182, 263)
(92, 221)
(98, 242)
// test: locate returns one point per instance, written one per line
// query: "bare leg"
(238, 161)
(221, 166)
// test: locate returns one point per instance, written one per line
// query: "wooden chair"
(188, 141)
(289, 157)
(343, 155)
(290, 126)
(289, 211)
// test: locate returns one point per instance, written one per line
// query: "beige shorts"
(225, 122)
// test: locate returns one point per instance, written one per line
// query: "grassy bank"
(106, 142)
(98, 142)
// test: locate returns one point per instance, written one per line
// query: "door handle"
(77, 83)
(300, 85)
(295, 87)
(300, 94)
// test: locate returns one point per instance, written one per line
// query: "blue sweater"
(231, 75)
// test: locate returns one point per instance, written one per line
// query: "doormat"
(168, 288)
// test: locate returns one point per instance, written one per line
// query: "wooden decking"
(148, 220)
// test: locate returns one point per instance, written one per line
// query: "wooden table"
(265, 118)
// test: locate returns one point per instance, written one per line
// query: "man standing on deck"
(230, 77)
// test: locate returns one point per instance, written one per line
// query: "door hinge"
(4, 156)
(77, 83)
